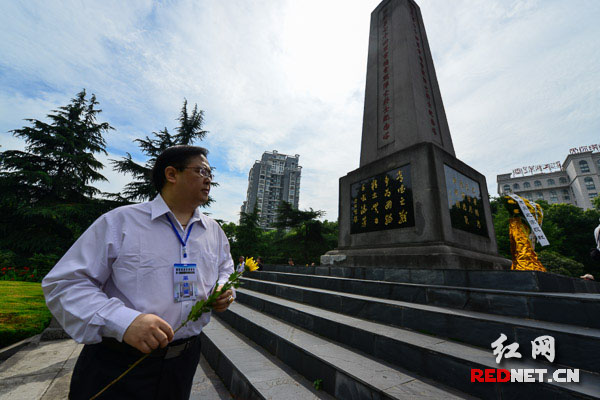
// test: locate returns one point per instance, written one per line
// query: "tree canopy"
(59, 162)
(189, 130)
(48, 193)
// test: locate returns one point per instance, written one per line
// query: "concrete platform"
(42, 370)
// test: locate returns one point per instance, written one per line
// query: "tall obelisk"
(411, 203)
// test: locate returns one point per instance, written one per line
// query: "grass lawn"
(23, 311)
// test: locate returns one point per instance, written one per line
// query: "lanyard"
(183, 243)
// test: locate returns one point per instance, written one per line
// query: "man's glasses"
(202, 171)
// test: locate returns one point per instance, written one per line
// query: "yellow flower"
(516, 211)
(512, 202)
(251, 264)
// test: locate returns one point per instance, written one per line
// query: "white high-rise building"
(272, 179)
(577, 181)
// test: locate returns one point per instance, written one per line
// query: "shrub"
(559, 264)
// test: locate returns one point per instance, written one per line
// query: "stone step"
(206, 384)
(532, 281)
(248, 371)
(576, 347)
(446, 362)
(345, 373)
(580, 309)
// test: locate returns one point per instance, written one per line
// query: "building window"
(553, 196)
(550, 182)
(539, 196)
(598, 162)
(566, 195)
(584, 167)
(537, 184)
(516, 186)
(526, 185)
(589, 183)
(592, 194)
(506, 188)
(528, 196)
(562, 179)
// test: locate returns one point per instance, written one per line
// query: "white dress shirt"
(597, 236)
(122, 266)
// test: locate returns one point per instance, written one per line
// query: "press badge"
(185, 282)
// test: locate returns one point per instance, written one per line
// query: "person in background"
(597, 236)
(587, 277)
(290, 262)
(241, 264)
(595, 252)
(259, 261)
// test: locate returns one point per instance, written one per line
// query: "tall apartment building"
(272, 179)
(576, 182)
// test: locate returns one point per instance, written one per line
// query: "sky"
(520, 80)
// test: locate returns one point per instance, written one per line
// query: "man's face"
(193, 185)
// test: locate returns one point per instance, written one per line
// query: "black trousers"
(154, 378)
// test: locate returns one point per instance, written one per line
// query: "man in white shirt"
(241, 264)
(597, 236)
(131, 279)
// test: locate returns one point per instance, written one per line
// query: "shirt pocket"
(154, 280)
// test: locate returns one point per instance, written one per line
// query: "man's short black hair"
(177, 157)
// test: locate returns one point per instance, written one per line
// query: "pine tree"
(58, 163)
(47, 190)
(189, 130)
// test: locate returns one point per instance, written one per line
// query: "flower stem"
(142, 358)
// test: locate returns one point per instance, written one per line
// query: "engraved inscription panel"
(382, 202)
(465, 203)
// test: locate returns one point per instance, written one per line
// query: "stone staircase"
(376, 333)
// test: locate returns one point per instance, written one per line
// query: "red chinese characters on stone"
(386, 78)
(426, 87)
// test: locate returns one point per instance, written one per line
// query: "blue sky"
(520, 80)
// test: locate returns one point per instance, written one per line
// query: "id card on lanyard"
(185, 282)
(185, 275)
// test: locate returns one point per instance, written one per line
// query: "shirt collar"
(159, 208)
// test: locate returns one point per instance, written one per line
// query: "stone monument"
(411, 203)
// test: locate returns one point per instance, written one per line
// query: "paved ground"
(43, 371)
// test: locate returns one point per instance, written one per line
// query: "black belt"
(173, 349)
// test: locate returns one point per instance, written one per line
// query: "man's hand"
(147, 332)
(224, 300)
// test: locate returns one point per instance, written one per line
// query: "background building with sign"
(577, 181)
(272, 179)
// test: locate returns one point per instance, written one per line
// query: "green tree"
(500, 218)
(306, 236)
(59, 162)
(248, 235)
(47, 189)
(559, 264)
(596, 202)
(188, 131)
(576, 229)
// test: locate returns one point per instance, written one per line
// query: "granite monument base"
(419, 207)
(419, 257)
